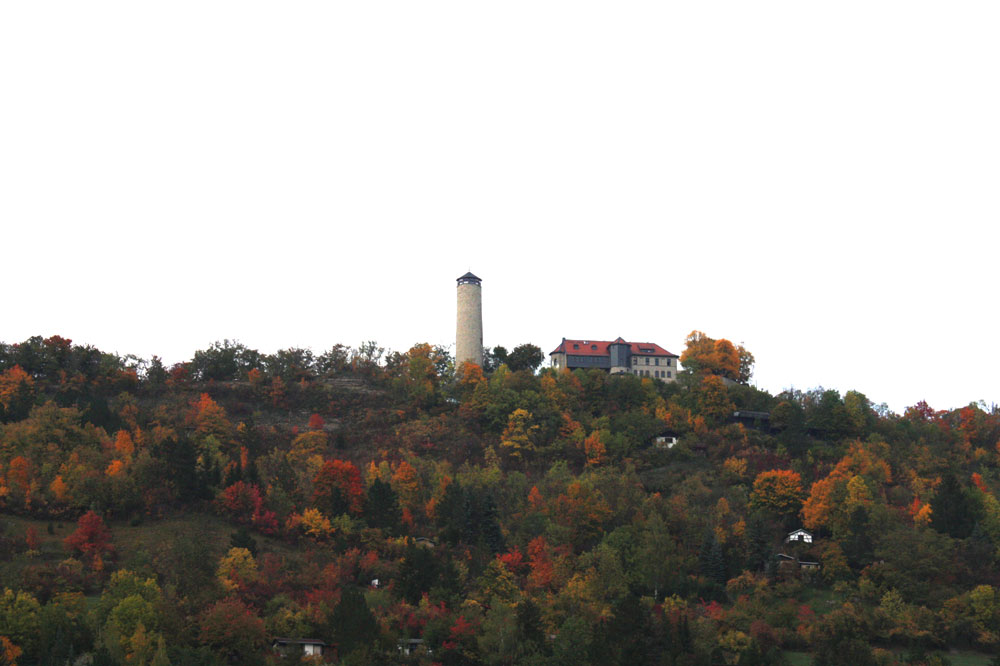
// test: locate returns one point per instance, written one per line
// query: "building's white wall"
(649, 366)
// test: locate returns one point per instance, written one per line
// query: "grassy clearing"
(799, 658)
(956, 658)
(50, 547)
(967, 658)
(821, 600)
(136, 546)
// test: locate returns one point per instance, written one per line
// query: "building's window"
(576, 346)
(647, 360)
(635, 360)
(656, 361)
(668, 361)
(668, 373)
(594, 347)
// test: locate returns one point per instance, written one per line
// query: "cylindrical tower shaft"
(469, 336)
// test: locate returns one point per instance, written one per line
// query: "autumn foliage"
(337, 488)
(703, 354)
(502, 516)
(91, 539)
(779, 491)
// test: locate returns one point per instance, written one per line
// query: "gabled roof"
(600, 348)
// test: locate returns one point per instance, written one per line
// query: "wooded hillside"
(189, 515)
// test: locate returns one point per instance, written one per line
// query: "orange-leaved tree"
(778, 490)
(703, 354)
(827, 503)
(406, 483)
(8, 651)
(124, 443)
(16, 391)
(209, 418)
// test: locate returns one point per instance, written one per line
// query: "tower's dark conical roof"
(468, 276)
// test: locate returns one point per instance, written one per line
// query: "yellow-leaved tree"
(516, 441)
(237, 568)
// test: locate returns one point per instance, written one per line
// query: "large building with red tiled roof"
(645, 359)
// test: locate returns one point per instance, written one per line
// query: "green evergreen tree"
(352, 624)
(758, 540)
(382, 507)
(954, 512)
(242, 538)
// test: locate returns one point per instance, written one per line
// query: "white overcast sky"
(820, 181)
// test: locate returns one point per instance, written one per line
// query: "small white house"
(309, 646)
(799, 535)
(408, 646)
(664, 442)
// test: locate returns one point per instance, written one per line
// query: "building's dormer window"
(593, 347)
(576, 346)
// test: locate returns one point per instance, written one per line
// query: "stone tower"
(469, 337)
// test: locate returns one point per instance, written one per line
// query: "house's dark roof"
(600, 348)
(747, 414)
(469, 276)
(301, 641)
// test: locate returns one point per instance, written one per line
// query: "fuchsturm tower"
(469, 336)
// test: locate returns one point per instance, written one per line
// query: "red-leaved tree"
(233, 631)
(92, 538)
(243, 503)
(337, 488)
